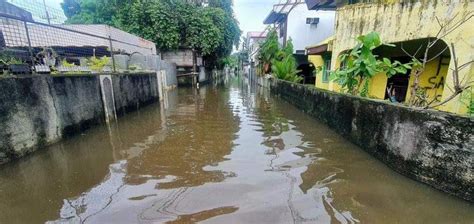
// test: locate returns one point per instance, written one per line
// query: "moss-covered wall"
(433, 147)
(134, 91)
(39, 110)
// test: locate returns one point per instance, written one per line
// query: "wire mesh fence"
(41, 11)
(28, 46)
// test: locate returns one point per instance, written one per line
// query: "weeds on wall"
(471, 108)
(97, 64)
(361, 64)
(467, 100)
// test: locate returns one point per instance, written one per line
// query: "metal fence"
(28, 46)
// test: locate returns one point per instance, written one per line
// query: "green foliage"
(231, 61)
(171, 24)
(284, 67)
(66, 64)
(422, 98)
(14, 61)
(467, 99)
(97, 64)
(365, 89)
(280, 60)
(204, 31)
(7, 59)
(361, 64)
(471, 107)
(268, 51)
(286, 70)
(71, 7)
(94, 11)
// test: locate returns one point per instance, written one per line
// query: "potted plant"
(17, 66)
(48, 58)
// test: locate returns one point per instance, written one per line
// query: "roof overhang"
(321, 48)
(274, 18)
(317, 50)
(257, 35)
(321, 4)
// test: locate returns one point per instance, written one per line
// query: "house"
(254, 39)
(320, 55)
(407, 25)
(252, 45)
(292, 19)
(189, 65)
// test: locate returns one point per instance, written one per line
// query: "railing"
(29, 47)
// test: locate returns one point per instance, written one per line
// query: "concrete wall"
(403, 20)
(134, 91)
(433, 147)
(39, 110)
(170, 70)
(150, 63)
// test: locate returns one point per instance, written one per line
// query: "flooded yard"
(220, 154)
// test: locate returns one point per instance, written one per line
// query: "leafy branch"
(360, 64)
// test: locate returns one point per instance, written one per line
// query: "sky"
(251, 13)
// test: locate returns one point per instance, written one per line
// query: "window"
(326, 70)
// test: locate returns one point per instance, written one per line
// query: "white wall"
(304, 35)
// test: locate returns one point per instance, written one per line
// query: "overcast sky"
(251, 13)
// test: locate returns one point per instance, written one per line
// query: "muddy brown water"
(220, 154)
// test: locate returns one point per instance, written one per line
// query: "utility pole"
(46, 11)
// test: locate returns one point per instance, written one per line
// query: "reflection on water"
(222, 154)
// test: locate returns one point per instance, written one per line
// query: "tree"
(94, 11)
(154, 20)
(229, 27)
(71, 7)
(171, 24)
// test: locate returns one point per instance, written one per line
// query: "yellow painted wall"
(333, 86)
(432, 82)
(318, 61)
(409, 21)
(378, 85)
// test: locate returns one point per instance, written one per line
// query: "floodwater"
(220, 154)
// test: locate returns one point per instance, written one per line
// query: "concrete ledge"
(433, 147)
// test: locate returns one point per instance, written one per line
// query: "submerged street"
(219, 154)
